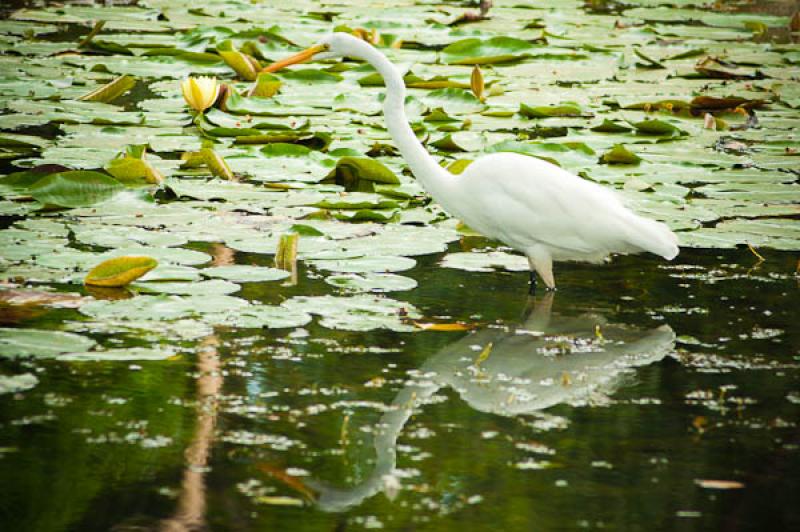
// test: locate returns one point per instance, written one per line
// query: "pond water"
(397, 375)
(604, 405)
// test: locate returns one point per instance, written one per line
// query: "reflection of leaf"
(719, 484)
(447, 327)
(119, 271)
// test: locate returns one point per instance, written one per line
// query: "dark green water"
(642, 379)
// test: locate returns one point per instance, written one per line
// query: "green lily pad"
(36, 343)
(474, 51)
(371, 282)
(549, 110)
(485, 262)
(191, 288)
(377, 264)
(17, 383)
(619, 154)
(119, 271)
(75, 189)
(240, 273)
(357, 313)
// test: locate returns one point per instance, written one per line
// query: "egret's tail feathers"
(654, 237)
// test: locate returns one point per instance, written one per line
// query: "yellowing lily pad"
(119, 271)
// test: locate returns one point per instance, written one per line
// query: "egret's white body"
(527, 203)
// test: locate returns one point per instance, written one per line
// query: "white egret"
(527, 203)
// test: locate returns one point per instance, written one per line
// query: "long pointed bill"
(303, 56)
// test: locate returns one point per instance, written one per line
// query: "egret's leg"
(532, 283)
(542, 263)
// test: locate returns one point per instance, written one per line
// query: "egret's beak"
(303, 56)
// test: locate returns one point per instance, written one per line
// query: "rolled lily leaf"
(217, 164)
(133, 167)
(619, 154)
(286, 254)
(350, 170)
(657, 127)
(111, 90)
(266, 86)
(244, 65)
(119, 271)
(477, 84)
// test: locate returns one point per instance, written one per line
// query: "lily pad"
(36, 343)
(239, 273)
(75, 189)
(475, 51)
(357, 313)
(120, 271)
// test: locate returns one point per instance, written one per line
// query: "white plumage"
(534, 206)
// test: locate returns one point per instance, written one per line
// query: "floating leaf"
(610, 126)
(132, 166)
(75, 189)
(33, 342)
(286, 254)
(240, 273)
(119, 271)
(619, 154)
(217, 164)
(111, 90)
(657, 127)
(549, 110)
(648, 62)
(17, 383)
(244, 65)
(476, 83)
(476, 51)
(371, 282)
(350, 172)
(266, 86)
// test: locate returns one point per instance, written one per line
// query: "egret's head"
(332, 46)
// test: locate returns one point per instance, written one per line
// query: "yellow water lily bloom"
(200, 93)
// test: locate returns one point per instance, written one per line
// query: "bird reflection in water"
(546, 361)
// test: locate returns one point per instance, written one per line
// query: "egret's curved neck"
(436, 180)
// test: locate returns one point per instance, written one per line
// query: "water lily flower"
(200, 93)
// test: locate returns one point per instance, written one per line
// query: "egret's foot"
(532, 284)
(550, 289)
